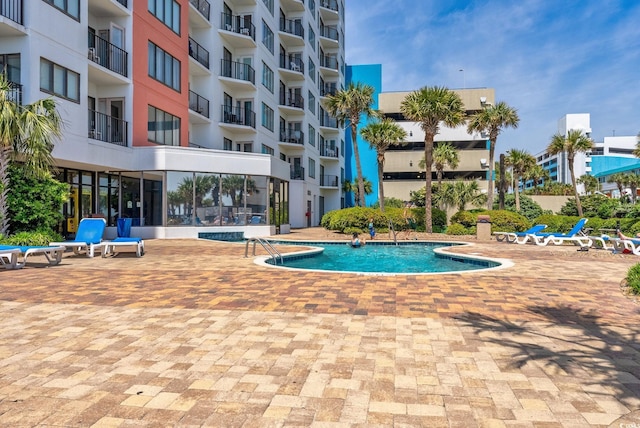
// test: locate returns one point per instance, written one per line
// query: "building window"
(163, 67)
(312, 38)
(167, 11)
(312, 7)
(342, 149)
(163, 128)
(312, 69)
(267, 77)
(269, 5)
(69, 7)
(227, 144)
(59, 81)
(312, 135)
(268, 150)
(267, 36)
(244, 147)
(312, 103)
(267, 117)
(312, 168)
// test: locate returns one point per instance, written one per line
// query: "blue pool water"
(384, 258)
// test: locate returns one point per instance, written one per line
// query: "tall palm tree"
(26, 133)
(590, 183)
(444, 154)
(575, 142)
(430, 106)
(492, 120)
(381, 135)
(538, 175)
(347, 106)
(619, 178)
(352, 186)
(461, 193)
(632, 180)
(519, 161)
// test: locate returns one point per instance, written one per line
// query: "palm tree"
(574, 142)
(430, 106)
(590, 183)
(444, 154)
(491, 120)
(636, 151)
(347, 106)
(352, 186)
(538, 175)
(619, 178)
(519, 161)
(462, 193)
(26, 133)
(380, 136)
(632, 180)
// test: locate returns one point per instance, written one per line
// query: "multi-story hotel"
(187, 116)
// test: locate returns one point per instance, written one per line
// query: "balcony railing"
(328, 89)
(329, 4)
(293, 136)
(237, 70)
(238, 24)
(238, 116)
(202, 6)
(198, 53)
(328, 121)
(291, 100)
(108, 129)
(292, 26)
(108, 55)
(291, 62)
(329, 32)
(15, 92)
(329, 152)
(297, 172)
(198, 104)
(12, 9)
(329, 180)
(329, 61)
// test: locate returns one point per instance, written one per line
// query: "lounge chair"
(514, 236)
(52, 253)
(88, 237)
(629, 245)
(109, 247)
(575, 236)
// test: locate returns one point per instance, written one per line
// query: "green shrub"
(501, 220)
(459, 229)
(34, 238)
(356, 219)
(633, 278)
(594, 206)
(528, 207)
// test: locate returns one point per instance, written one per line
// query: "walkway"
(193, 334)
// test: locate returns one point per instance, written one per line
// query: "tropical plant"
(381, 135)
(528, 207)
(491, 120)
(574, 142)
(519, 161)
(632, 180)
(347, 106)
(27, 133)
(636, 151)
(352, 186)
(538, 175)
(459, 194)
(444, 154)
(590, 183)
(619, 179)
(430, 106)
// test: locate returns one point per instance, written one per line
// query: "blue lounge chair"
(109, 247)
(515, 236)
(575, 236)
(9, 255)
(88, 237)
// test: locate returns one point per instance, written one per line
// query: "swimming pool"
(382, 258)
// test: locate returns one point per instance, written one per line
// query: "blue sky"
(546, 58)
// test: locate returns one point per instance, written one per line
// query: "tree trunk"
(492, 149)
(428, 160)
(575, 185)
(517, 192)
(380, 176)
(356, 155)
(5, 155)
(502, 185)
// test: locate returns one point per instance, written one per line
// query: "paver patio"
(193, 334)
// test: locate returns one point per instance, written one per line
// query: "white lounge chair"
(88, 237)
(514, 236)
(574, 236)
(53, 254)
(109, 247)
(9, 257)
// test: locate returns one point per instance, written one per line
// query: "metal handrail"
(273, 252)
(393, 230)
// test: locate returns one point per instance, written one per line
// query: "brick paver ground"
(193, 334)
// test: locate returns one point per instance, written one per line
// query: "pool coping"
(442, 252)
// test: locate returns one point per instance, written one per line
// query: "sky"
(545, 58)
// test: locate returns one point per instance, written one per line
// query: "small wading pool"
(382, 258)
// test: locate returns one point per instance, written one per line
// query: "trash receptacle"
(483, 228)
(124, 227)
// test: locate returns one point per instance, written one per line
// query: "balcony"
(297, 172)
(329, 65)
(291, 99)
(331, 5)
(329, 152)
(292, 66)
(203, 7)
(108, 55)
(109, 129)
(329, 181)
(108, 8)
(327, 121)
(198, 53)
(292, 136)
(237, 71)
(328, 89)
(198, 104)
(238, 30)
(15, 93)
(13, 10)
(329, 36)
(238, 116)
(292, 32)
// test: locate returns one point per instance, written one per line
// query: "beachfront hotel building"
(190, 117)
(402, 173)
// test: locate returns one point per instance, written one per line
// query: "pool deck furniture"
(53, 254)
(110, 247)
(574, 236)
(512, 237)
(88, 237)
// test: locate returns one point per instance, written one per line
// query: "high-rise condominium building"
(187, 116)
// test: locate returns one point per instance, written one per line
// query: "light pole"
(464, 80)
